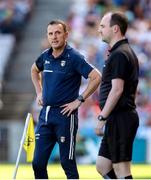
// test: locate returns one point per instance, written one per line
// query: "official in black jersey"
(117, 100)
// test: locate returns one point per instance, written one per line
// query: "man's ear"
(67, 34)
(115, 28)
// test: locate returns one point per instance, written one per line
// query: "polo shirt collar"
(116, 45)
(63, 55)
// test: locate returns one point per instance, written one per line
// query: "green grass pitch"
(55, 171)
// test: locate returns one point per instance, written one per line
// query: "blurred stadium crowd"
(83, 19)
(14, 15)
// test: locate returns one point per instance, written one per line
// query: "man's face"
(56, 36)
(105, 30)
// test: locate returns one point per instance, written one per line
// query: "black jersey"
(122, 63)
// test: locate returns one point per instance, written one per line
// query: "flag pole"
(21, 145)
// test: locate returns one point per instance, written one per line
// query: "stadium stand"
(17, 90)
(83, 21)
(82, 17)
(14, 16)
(7, 43)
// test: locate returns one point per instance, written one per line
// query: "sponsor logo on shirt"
(47, 62)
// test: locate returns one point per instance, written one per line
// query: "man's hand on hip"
(70, 107)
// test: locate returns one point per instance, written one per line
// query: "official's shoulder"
(117, 52)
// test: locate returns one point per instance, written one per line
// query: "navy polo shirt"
(61, 76)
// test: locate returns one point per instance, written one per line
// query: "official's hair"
(118, 18)
(59, 22)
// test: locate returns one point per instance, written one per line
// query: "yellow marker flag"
(29, 143)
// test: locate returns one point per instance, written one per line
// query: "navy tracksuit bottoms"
(53, 127)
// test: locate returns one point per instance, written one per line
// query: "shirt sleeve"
(119, 66)
(82, 66)
(39, 63)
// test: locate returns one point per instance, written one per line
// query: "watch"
(80, 98)
(101, 118)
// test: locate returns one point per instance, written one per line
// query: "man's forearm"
(93, 84)
(111, 102)
(113, 97)
(35, 76)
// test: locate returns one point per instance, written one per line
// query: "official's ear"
(116, 28)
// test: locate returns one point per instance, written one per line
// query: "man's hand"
(39, 99)
(70, 107)
(99, 127)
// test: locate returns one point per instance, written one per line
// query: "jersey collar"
(116, 45)
(64, 53)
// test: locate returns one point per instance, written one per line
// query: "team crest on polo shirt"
(62, 139)
(63, 63)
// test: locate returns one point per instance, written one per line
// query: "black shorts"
(120, 131)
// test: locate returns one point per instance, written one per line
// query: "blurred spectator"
(83, 26)
(14, 15)
(44, 44)
(1, 103)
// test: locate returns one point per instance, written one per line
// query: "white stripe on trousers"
(47, 111)
(71, 137)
